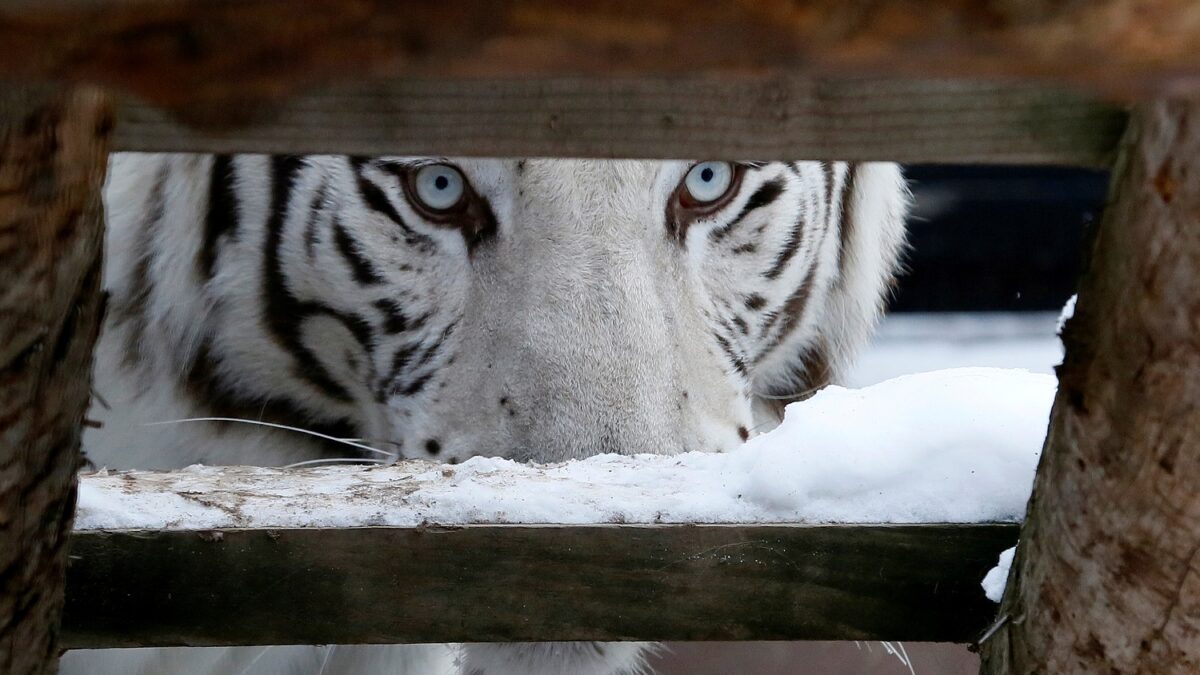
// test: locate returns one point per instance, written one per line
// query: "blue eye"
(439, 186)
(708, 181)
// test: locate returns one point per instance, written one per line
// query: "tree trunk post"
(1106, 578)
(53, 150)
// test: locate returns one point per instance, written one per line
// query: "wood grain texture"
(52, 160)
(518, 583)
(196, 56)
(1107, 578)
(744, 118)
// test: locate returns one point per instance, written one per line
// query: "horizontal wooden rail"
(197, 56)
(523, 582)
(732, 118)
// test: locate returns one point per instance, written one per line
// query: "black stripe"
(738, 363)
(400, 360)
(766, 194)
(403, 360)
(377, 201)
(284, 313)
(428, 354)
(394, 319)
(436, 347)
(789, 249)
(364, 272)
(359, 327)
(316, 208)
(742, 327)
(827, 168)
(211, 393)
(845, 219)
(482, 224)
(132, 308)
(222, 217)
(373, 196)
(417, 385)
(793, 308)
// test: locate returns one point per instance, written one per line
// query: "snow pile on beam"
(956, 445)
(997, 577)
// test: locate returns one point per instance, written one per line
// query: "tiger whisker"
(100, 399)
(338, 460)
(360, 446)
(377, 441)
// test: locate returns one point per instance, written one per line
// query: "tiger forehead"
(613, 182)
(592, 175)
(591, 184)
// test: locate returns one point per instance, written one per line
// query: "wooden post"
(53, 147)
(1107, 577)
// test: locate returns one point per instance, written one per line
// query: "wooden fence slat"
(732, 118)
(185, 53)
(518, 583)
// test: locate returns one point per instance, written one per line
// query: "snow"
(997, 578)
(1068, 311)
(958, 445)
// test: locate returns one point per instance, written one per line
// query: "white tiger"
(535, 309)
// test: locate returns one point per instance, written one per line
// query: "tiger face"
(540, 310)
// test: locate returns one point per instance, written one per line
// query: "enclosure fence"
(821, 80)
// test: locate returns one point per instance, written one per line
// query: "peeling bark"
(52, 159)
(1106, 578)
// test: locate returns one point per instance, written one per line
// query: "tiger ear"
(872, 242)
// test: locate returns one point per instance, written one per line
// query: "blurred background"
(994, 256)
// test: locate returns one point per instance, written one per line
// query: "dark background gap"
(996, 238)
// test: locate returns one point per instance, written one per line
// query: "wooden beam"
(197, 56)
(52, 159)
(519, 583)
(738, 118)
(1106, 576)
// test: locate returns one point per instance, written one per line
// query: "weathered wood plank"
(53, 145)
(734, 118)
(517, 582)
(1105, 579)
(198, 55)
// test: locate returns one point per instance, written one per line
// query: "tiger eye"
(706, 188)
(708, 182)
(439, 187)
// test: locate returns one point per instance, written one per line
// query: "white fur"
(280, 660)
(581, 327)
(554, 658)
